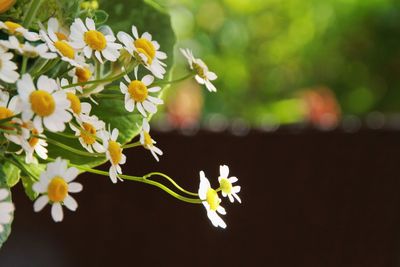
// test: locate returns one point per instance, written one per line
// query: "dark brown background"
(309, 199)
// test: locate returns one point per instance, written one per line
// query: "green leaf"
(100, 17)
(27, 182)
(147, 16)
(12, 174)
(30, 173)
(7, 227)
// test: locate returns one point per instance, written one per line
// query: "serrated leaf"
(7, 227)
(12, 174)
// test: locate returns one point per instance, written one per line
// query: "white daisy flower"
(17, 29)
(203, 75)
(82, 74)
(29, 141)
(63, 48)
(86, 37)
(211, 202)
(8, 68)
(225, 184)
(35, 145)
(137, 94)
(77, 108)
(46, 103)
(113, 153)
(54, 185)
(6, 209)
(144, 49)
(54, 27)
(8, 107)
(147, 141)
(27, 49)
(90, 127)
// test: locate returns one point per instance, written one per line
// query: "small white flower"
(113, 153)
(63, 48)
(27, 49)
(203, 75)
(54, 28)
(137, 94)
(147, 141)
(211, 202)
(89, 128)
(144, 49)
(77, 108)
(46, 103)
(86, 37)
(17, 29)
(8, 107)
(7, 67)
(225, 184)
(6, 209)
(54, 185)
(85, 74)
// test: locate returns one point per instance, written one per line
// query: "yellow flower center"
(147, 139)
(212, 199)
(226, 186)
(199, 70)
(42, 103)
(83, 74)
(115, 151)
(88, 134)
(57, 189)
(5, 113)
(138, 91)
(34, 140)
(95, 40)
(145, 47)
(12, 26)
(61, 36)
(75, 103)
(65, 49)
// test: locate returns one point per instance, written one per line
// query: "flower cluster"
(50, 81)
(209, 196)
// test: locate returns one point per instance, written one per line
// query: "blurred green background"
(285, 62)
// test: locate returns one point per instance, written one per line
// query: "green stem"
(143, 180)
(132, 145)
(71, 149)
(110, 96)
(31, 13)
(107, 79)
(67, 135)
(171, 181)
(175, 81)
(24, 64)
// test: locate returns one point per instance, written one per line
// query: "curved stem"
(71, 149)
(175, 81)
(143, 180)
(107, 79)
(171, 181)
